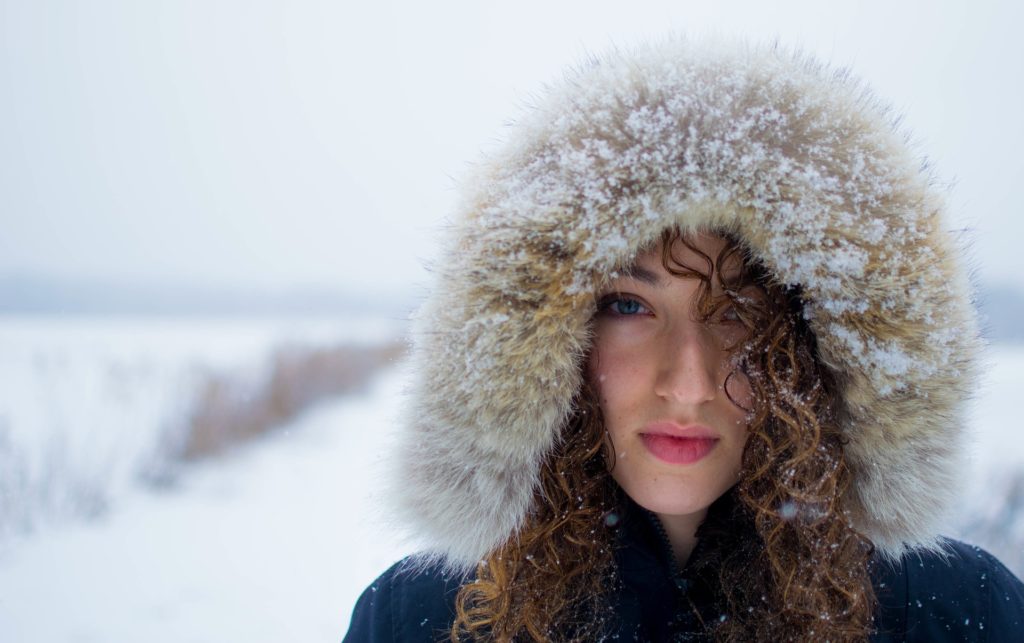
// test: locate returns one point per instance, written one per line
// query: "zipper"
(680, 581)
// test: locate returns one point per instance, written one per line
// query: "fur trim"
(802, 163)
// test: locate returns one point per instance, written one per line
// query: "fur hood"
(799, 161)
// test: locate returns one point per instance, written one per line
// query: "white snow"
(88, 405)
(273, 543)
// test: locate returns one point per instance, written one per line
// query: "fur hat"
(802, 163)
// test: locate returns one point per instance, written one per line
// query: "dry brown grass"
(227, 412)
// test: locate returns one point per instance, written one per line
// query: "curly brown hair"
(794, 570)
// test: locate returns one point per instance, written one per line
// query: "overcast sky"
(256, 144)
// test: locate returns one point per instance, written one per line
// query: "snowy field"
(91, 406)
(273, 543)
(275, 540)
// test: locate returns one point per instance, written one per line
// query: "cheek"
(615, 378)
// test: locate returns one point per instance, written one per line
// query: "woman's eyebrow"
(642, 274)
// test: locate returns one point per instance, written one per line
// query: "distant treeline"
(1002, 313)
(40, 295)
(1001, 307)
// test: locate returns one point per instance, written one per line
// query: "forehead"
(698, 252)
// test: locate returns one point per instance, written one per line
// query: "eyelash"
(608, 305)
(728, 314)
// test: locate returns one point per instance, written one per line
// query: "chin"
(673, 502)
(674, 506)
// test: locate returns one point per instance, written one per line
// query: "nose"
(688, 368)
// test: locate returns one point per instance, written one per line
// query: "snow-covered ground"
(990, 510)
(276, 540)
(89, 406)
(273, 543)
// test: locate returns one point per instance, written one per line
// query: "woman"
(694, 370)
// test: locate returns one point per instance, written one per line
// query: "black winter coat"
(969, 596)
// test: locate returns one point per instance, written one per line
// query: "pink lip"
(677, 444)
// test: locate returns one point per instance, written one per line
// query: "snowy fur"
(798, 160)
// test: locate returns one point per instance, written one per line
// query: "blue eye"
(626, 306)
(623, 306)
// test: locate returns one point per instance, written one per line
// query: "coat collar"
(658, 598)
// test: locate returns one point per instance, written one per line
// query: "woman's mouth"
(678, 450)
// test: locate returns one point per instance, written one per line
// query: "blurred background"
(215, 218)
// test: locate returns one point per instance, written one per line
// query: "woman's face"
(661, 375)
